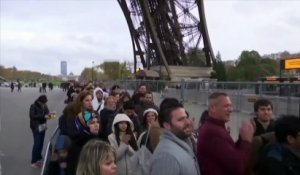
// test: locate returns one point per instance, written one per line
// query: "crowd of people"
(109, 132)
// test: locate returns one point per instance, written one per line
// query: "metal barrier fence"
(49, 150)
(284, 96)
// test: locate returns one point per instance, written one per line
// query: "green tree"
(23, 75)
(4, 72)
(100, 76)
(115, 70)
(86, 74)
(111, 69)
(248, 58)
(125, 72)
(271, 66)
(232, 73)
(251, 66)
(219, 69)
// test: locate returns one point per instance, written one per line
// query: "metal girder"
(162, 31)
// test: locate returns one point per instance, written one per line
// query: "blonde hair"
(94, 153)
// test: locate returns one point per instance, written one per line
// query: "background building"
(63, 68)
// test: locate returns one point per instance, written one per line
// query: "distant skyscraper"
(63, 68)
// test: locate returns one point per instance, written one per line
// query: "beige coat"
(124, 151)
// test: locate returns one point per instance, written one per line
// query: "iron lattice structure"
(162, 31)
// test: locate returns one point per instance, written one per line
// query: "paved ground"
(15, 135)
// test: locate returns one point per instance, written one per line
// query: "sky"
(37, 35)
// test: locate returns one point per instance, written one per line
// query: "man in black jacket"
(263, 122)
(283, 157)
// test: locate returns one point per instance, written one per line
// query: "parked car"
(5, 84)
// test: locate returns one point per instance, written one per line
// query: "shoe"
(40, 161)
(36, 165)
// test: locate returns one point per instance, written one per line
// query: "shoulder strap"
(147, 136)
(99, 107)
(141, 138)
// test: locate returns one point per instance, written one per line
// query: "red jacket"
(217, 152)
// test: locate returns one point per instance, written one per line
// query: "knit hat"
(62, 142)
(150, 110)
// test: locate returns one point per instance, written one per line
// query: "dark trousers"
(38, 143)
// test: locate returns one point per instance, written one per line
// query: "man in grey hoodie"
(173, 155)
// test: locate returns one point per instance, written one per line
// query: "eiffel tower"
(163, 31)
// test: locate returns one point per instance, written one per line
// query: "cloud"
(47, 32)
(265, 26)
(37, 35)
(78, 50)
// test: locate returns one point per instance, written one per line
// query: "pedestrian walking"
(19, 87)
(12, 86)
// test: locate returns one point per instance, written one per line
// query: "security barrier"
(49, 151)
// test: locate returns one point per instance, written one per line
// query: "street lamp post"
(92, 71)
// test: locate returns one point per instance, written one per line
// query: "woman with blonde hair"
(97, 158)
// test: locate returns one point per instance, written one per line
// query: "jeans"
(38, 143)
